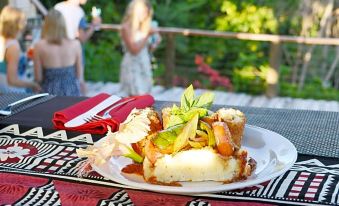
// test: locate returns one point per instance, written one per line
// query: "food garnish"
(187, 144)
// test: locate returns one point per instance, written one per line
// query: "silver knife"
(8, 110)
(79, 120)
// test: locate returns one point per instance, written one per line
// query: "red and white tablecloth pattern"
(44, 171)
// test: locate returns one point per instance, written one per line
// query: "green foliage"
(312, 90)
(244, 61)
(242, 16)
(103, 57)
(250, 79)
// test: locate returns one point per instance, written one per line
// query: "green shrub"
(250, 79)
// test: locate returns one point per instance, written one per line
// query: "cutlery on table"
(8, 110)
(79, 120)
(106, 115)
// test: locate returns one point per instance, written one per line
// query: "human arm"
(79, 67)
(85, 31)
(132, 46)
(155, 44)
(12, 58)
(37, 64)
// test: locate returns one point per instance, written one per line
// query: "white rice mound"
(193, 165)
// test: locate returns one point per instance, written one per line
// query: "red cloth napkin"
(118, 114)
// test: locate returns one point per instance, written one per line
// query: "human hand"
(36, 87)
(153, 31)
(158, 39)
(96, 21)
(83, 88)
(155, 40)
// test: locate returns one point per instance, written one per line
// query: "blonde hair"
(12, 21)
(131, 17)
(54, 27)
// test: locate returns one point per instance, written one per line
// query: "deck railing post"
(170, 59)
(272, 78)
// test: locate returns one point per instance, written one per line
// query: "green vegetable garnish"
(178, 134)
(211, 139)
(187, 133)
(197, 145)
(133, 155)
(190, 106)
(188, 100)
(202, 134)
(167, 137)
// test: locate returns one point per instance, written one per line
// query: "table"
(45, 169)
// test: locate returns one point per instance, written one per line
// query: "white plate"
(274, 155)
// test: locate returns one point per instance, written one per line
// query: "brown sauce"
(153, 180)
(138, 170)
(133, 169)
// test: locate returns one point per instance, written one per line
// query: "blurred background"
(305, 71)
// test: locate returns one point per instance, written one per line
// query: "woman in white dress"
(136, 72)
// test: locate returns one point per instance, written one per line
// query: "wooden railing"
(240, 36)
(275, 47)
(274, 56)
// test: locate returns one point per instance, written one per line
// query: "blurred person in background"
(58, 59)
(76, 24)
(135, 71)
(12, 22)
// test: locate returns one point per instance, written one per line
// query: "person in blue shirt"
(12, 22)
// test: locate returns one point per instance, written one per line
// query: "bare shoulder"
(40, 44)
(12, 45)
(73, 43)
(125, 28)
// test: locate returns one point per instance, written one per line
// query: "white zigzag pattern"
(326, 188)
(310, 162)
(37, 196)
(315, 169)
(199, 202)
(119, 198)
(335, 196)
(42, 141)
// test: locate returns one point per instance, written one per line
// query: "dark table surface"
(315, 134)
(312, 132)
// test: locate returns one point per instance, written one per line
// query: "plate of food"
(188, 149)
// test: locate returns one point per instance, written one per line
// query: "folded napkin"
(118, 114)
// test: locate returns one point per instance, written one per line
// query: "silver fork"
(8, 110)
(106, 115)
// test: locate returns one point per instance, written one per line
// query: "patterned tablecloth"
(39, 166)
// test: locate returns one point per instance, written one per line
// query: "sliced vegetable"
(223, 138)
(168, 136)
(187, 133)
(211, 138)
(202, 134)
(133, 155)
(161, 143)
(152, 153)
(197, 145)
(209, 120)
